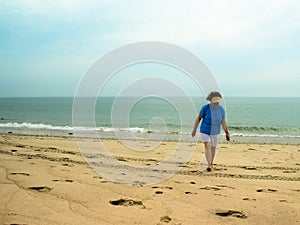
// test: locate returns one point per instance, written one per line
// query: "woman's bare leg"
(208, 154)
(213, 153)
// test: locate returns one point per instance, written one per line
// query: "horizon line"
(193, 96)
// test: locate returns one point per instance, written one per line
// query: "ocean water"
(250, 119)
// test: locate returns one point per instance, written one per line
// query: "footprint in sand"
(40, 188)
(210, 188)
(249, 167)
(67, 164)
(289, 171)
(233, 213)
(22, 174)
(249, 199)
(224, 186)
(20, 146)
(218, 187)
(165, 219)
(190, 193)
(163, 187)
(67, 180)
(269, 190)
(127, 202)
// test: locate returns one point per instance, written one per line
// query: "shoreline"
(168, 137)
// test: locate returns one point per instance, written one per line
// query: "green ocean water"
(247, 117)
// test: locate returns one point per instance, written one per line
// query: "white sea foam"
(68, 128)
(263, 135)
(32, 128)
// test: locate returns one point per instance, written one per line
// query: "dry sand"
(45, 180)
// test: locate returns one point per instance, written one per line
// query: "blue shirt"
(211, 119)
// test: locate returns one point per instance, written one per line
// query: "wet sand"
(45, 180)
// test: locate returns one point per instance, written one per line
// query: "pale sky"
(251, 47)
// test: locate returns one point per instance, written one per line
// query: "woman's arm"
(196, 123)
(225, 128)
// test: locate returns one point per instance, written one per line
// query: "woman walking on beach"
(213, 116)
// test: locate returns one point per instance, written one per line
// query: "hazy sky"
(251, 47)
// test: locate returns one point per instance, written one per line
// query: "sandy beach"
(45, 180)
